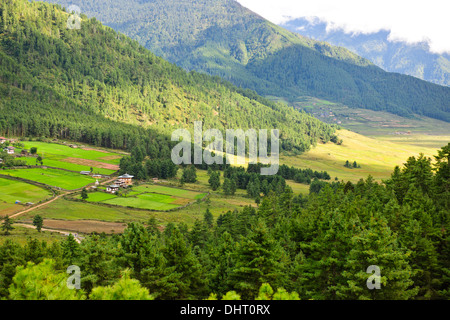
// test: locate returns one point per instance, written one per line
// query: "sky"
(408, 20)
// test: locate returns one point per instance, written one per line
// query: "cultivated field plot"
(11, 191)
(52, 177)
(181, 193)
(75, 159)
(151, 197)
(372, 123)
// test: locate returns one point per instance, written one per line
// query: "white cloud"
(408, 20)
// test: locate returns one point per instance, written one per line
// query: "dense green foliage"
(97, 86)
(317, 247)
(414, 59)
(220, 37)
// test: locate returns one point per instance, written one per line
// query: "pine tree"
(442, 177)
(229, 187)
(256, 262)
(70, 250)
(38, 222)
(376, 245)
(221, 254)
(214, 180)
(84, 194)
(186, 273)
(42, 282)
(7, 225)
(208, 218)
(124, 289)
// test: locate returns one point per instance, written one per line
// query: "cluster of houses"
(9, 150)
(122, 182)
(3, 140)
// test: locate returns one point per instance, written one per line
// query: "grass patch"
(52, 177)
(148, 196)
(11, 190)
(181, 193)
(143, 202)
(74, 210)
(376, 157)
(54, 149)
(21, 234)
(67, 165)
(75, 159)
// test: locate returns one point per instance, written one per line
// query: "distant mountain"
(220, 37)
(97, 86)
(393, 56)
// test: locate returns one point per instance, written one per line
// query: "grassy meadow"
(148, 196)
(377, 157)
(52, 177)
(11, 190)
(75, 159)
(20, 235)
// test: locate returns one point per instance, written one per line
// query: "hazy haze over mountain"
(413, 59)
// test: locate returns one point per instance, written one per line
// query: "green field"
(52, 177)
(151, 197)
(11, 190)
(181, 193)
(145, 201)
(73, 210)
(75, 159)
(63, 150)
(67, 165)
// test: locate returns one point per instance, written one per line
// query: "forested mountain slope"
(393, 56)
(220, 37)
(98, 86)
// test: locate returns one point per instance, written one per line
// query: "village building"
(97, 176)
(9, 150)
(112, 188)
(126, 178)
(120, 183)
(2, 139)
(24, 152)
(85, 172)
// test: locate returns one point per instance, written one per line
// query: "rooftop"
(126, 175)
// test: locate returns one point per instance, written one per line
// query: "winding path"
(64, 193)
(77, 238)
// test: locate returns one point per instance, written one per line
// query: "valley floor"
(376, 156)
